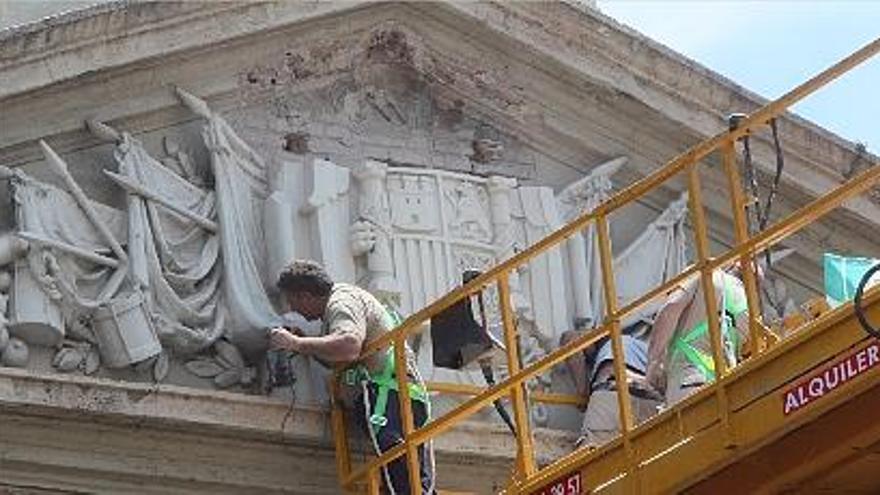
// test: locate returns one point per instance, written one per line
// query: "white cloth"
(658, 254)
(540, 279)
(578, 198)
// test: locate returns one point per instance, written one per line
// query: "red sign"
(567, 485)
(831, 377)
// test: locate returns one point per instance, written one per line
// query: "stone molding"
(105, 436)
(589, 44)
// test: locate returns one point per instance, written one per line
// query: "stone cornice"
(583, 41)
(559, 31)
(166, 437)
(46, 52)
(588, 44)
(236, 414)
(170, 405)
(601, 68)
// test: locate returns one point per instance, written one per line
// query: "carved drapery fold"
(658, 254)
(174, 260)
(241, 187)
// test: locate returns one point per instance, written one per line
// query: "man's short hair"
(305, 276)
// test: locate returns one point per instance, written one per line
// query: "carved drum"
(125, 332)
(33, 316)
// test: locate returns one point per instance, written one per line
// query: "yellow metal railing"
(743, 252)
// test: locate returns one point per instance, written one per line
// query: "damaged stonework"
(377, 95)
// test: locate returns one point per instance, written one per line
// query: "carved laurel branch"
(225, 366)
(77, 356)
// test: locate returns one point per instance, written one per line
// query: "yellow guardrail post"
(406, 415)
(612, 319)
(340, 436)
(526, 453)
(373, 482)
(741, 233)
(698, 217)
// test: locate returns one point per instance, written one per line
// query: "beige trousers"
(602, 420)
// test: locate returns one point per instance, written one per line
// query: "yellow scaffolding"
(528, 477)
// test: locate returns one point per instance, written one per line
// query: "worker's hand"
(283, 339)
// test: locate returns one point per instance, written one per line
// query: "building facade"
(164, 160)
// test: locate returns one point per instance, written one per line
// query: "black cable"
(751, 183)
(759, 217)
(289, 413)
(488, 375)
(857, 303)
(278, 369)
(780, 164)
(764, 214)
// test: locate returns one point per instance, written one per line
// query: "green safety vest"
(385, 381)
(684, 344)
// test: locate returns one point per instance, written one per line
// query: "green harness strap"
(385, 381)
(733, 307)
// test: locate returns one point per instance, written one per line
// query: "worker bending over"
(593, 373)
(351, 318)
(680, 349)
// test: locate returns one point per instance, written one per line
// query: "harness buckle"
(350, 377)
(378, 421)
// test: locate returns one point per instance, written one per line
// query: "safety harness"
(385, 381)
(683, 345)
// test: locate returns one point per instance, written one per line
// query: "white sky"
(773, 45)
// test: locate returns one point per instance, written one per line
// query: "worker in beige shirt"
(680, 351)
(351, 318)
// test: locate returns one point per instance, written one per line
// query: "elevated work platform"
(801, 419)
(791, 412)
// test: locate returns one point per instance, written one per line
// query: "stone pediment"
(566, 80)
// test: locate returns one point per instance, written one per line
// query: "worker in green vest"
(680, 351)
(352, 317)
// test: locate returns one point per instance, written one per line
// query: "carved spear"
(68, 248)
(135, 188)
(60, 168)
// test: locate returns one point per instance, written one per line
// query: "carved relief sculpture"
(374, 210)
